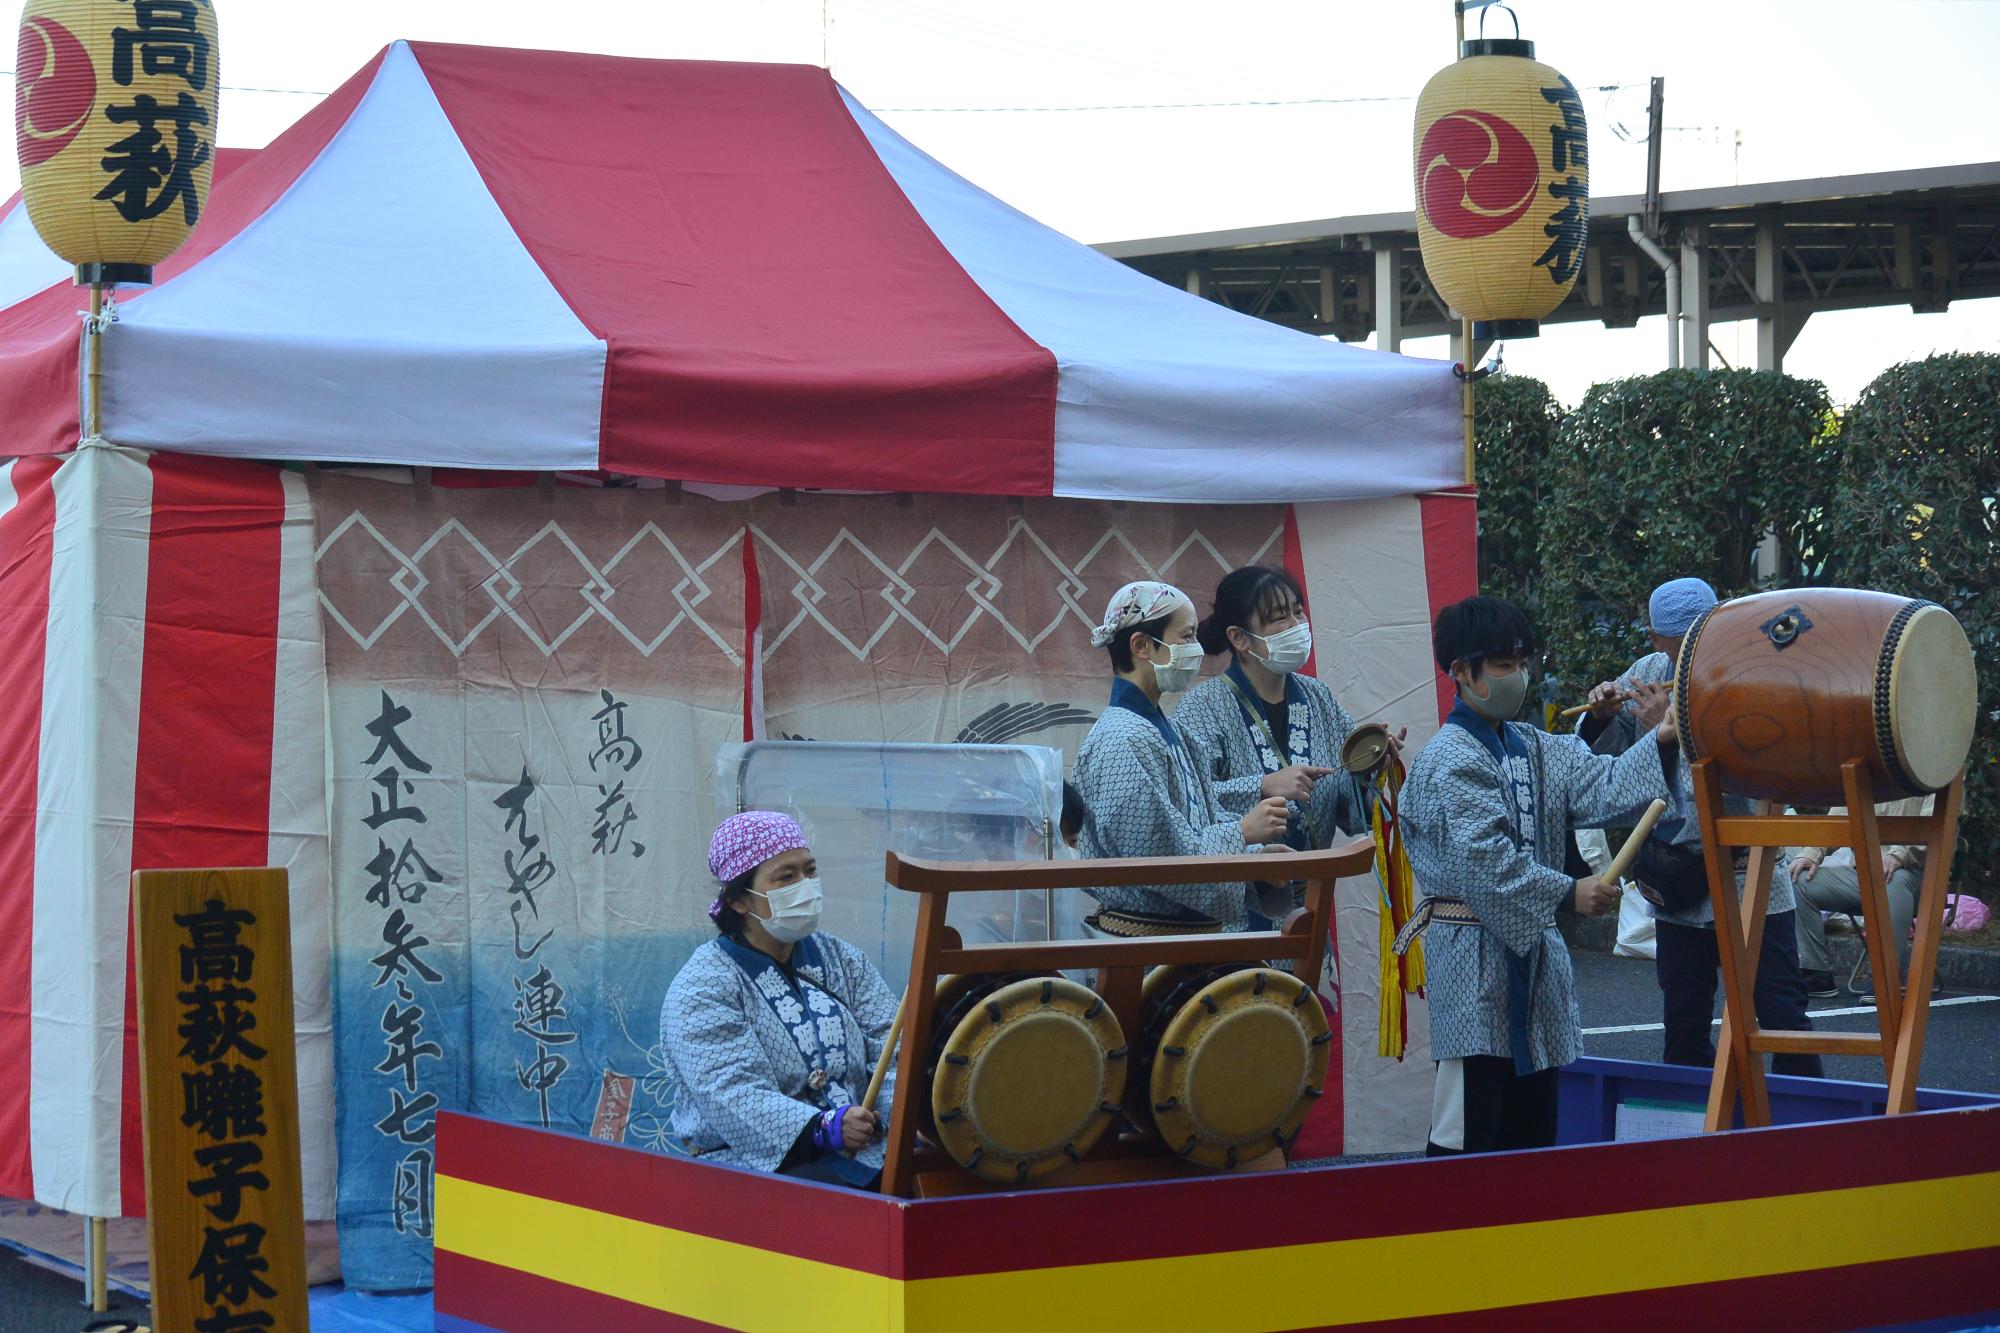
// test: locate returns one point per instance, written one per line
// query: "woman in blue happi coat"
(772, 1029)
(1263, 728)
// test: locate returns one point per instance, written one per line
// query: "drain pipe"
(1671, 267)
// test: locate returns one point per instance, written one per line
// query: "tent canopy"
(714, 273)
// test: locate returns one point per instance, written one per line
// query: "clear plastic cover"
(860, 800)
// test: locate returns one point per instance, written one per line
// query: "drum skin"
(1024, 1074)
(1780, 689)
(1230, 1060)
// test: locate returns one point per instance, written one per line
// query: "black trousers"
(1690, 968)
(1497, 1108)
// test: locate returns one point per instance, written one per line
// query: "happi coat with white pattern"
(1230, 747)
(1496, 839)
(1143, 796)
(735, 1038)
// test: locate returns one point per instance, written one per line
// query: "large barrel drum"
(1781, 689)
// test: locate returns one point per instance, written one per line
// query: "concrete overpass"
(1776, 253)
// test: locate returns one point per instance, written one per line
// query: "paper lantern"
(114, 124)
(1503, 186)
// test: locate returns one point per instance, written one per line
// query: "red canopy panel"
(765, 288)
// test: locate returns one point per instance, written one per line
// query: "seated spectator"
(1825, 880)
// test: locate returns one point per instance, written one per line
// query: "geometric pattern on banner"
(508, 595)
(502, 590)
(983, 587)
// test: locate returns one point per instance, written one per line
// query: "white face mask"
(1288, 649)
(794, 911)
(1183, 665)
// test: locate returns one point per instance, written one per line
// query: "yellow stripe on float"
(1478, 1268)
(1242, 1291)
(716, 1281)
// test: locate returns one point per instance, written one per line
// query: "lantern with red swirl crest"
(1503, 186)
(114, 124)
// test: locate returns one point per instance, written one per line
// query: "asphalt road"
(34, 1300)
(1961, 1050)
(1621, 1014)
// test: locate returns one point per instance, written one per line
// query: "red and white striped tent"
(706, 272)
(722, 275)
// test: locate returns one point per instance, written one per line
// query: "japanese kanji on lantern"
(1503, 186)
(114, 124)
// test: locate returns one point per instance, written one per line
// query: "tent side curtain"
(154, 607)
(171, 686)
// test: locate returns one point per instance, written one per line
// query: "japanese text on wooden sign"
(219, 1088)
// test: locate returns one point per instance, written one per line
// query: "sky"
(1146, 143)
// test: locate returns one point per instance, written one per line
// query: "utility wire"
(1182, 106)
(1036, 110)
(236, 88)
(1031, 110)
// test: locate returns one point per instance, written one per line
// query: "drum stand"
(1739, 934)
(912, 1170)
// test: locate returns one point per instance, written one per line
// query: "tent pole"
(94, 1276)
(1470, 445)
(1465, 326)
(93, 365)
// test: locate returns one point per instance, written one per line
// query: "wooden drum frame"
(1120, 967)
(1762, 718)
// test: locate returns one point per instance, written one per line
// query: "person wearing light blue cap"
(1671, 872)
(1674, 607)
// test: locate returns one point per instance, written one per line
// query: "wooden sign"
(219, 1091)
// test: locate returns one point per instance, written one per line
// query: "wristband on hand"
(823, 1134)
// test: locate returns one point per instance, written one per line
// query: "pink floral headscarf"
(744, 842)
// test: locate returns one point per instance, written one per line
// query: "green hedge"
(1918, 513)
(1516, 420)
(1680, 473)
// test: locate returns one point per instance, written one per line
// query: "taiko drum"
(1781, 689)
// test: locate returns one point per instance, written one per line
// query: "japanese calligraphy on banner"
(220, 1097)
(527, 691)
(525, 695)
(115, 126)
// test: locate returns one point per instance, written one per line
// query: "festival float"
(525, 447)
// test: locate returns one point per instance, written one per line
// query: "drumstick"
(888, 1054)
(1623, 861)
(1585, 708)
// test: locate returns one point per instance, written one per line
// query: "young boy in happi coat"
(1488, 812)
